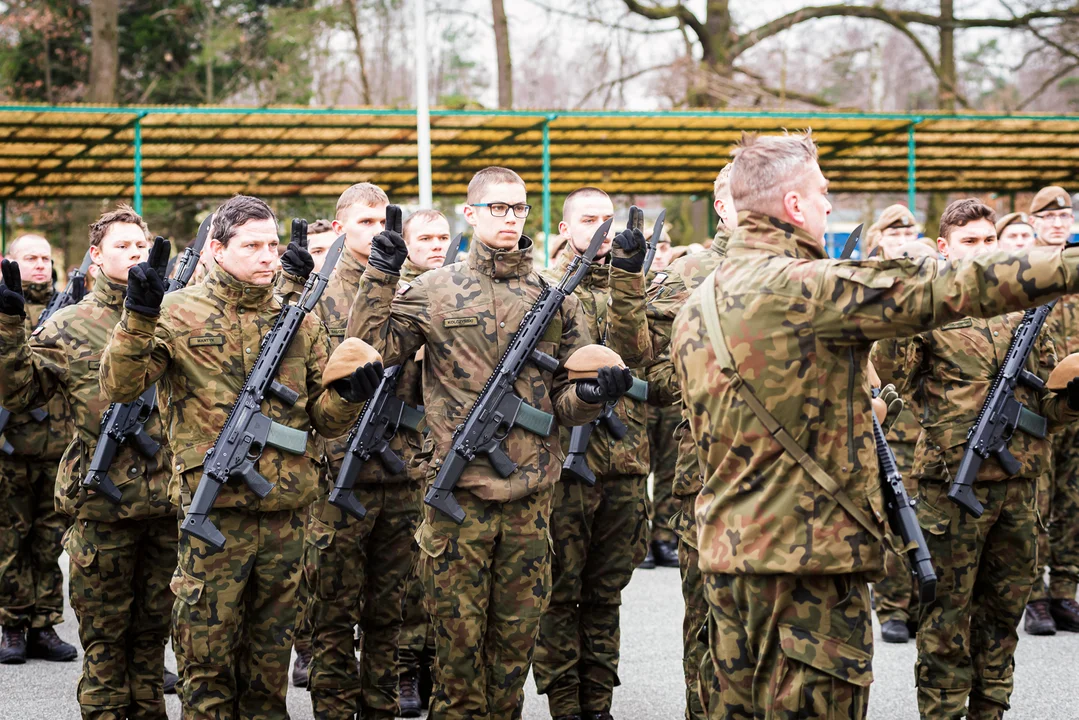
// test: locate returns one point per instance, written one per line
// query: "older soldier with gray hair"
(772, 356)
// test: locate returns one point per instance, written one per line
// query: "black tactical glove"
(11, 299)
(388, 249)
(610, 384)
(629, 245)
(296, 260)
(360, 386)
(1072, 390)
(146, 281)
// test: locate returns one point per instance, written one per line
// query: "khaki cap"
(349, 355)
(1065, 371)
(583, 364)
(892, 217)
(1012, 219)
(1053, 197)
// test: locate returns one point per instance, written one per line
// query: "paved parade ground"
(1046, 686)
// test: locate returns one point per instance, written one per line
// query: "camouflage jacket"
(467, 313)
(612, 301)
(1063, 326)
(62, 359)
(946, 375)
(29, 438)
(666, 296)
(799, 328)
(200, 350)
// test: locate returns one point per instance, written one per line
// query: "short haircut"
(767, 167)
(236, 211)
(427, 215)
(962, 212)
(122, 214)
(722, 185)
(364, 193)
(489, 176)
(580, 193)
(319, 226)
(13, 248)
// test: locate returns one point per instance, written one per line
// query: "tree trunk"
(947, 85)
(357, 36)
(502, 48)
(104, 51)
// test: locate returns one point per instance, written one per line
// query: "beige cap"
(1065, 371)
(1011, 219)
(349, 355)
(892, 217)
(585, 361)
(1053, 197)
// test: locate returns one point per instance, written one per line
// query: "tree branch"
(597, 21)
(617, 80)
(679, 12)
(1046, 85)
(815, 100)
(1041, 36)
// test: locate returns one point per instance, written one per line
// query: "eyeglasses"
(1063, 216)
(501, 209)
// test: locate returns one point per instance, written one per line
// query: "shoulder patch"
(964, 323)
(460, 322)
(336, 332)
(206, 340)
(94, 365)
(403, 287)
(659, 279)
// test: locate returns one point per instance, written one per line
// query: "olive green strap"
(710, 311)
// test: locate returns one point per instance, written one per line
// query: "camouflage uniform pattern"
(359, 570)
(663, 451)
(666, 297)
(485, 581)
(799, 328)
(121, 556)
(967, 636)
(600, 532)
(235, 608)
(31, 528)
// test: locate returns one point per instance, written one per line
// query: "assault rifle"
(498, 409)
(1001, 414)
(124, 422)
(576, 464)
(73, 293)
(247, 430)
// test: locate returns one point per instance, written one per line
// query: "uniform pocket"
(320, 559)
(85, 595)
(934, 518)
(819, 676)
(190, 616)
(432, 546)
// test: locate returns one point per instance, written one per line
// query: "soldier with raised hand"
(121, 554)
(31, 528)
(600, 530)
(235, 607)
(486, 581)
(772, 356)
(667, 295)
(1054, 607)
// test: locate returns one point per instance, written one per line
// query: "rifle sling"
(710, 312)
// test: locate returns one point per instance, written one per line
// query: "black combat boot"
(1066, 614)
(895, 631)
(408, 695)
(665, 553)
(649, 562)
(169, 684)
(13, 646)
(1037, 620)
(45, 644)
(567, 717)
(605, 715)
(302, 667)
(427, 680)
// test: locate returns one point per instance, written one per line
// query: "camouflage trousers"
(1058, 547)
(120, 574)
(696, 659)
(790, 646)
(357, 571)
(896, 596)
(600, 534)
(967, 636)
(31, 530)
(301, 636)
(486, 583)
(664, 454)
(234, 614)
(417, 643)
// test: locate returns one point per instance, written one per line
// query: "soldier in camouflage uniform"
(666, 296)
(967, 635)
(1054, 607)
(599, 531)
(427, 235)
(786, 561)
(31, 528)
(486, 581)
(121, 555)
(236, 607)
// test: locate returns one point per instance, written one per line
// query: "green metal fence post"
(912, 185)
(3, 227)
(137, 200)
(547, 190)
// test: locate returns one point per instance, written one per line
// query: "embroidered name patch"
(205, 340)
(460, 322)
(94, 365)
(966, 322)
(336, 332)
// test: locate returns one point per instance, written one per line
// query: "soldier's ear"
(470, 215)
(942, 247)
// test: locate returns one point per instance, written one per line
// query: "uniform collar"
(108, 292)
(410, 271)
(350, 263)
(226, 287)
(771, 235)
(37, 293)
(502, 263)
(720, 240)
(598, 276)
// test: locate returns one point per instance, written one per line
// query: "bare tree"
(502, 48)
(104, 51)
